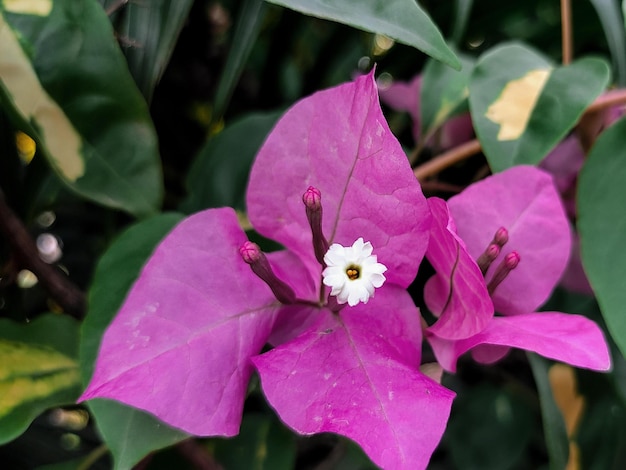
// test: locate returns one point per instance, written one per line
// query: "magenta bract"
(564, 337)
(184, 343)
(180, 345)
(524, 201)
(457, 295)
(358, 367)
(339, 142)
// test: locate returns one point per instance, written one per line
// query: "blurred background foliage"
(216, 74)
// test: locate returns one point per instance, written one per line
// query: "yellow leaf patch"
(28, 7)
(515, 104)
(32, 101)
(31, 372)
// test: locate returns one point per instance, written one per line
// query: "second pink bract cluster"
(523, 203)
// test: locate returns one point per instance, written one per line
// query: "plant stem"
(608, 100)
(446, 159)
(566, 31)
(60, 288)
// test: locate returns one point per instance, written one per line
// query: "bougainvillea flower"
(405, 96)
(332, 185)
(513, 241)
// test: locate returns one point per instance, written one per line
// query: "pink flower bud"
(501, 237)
(510, 262)
(312, 198)
(250, 252)
(487, 257)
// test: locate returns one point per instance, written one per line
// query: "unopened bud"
(510, 262)
(501, 237)
(488, 256)
(252, 254)
(312, 198)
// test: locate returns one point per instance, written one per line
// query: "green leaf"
(129, 433)
(402, 20)
(152, 28)
(38, 370)
(262, 443)
(249, 21)
(601, 200)
(219, 174)
(443, 91)
(601, 435)
(462, 13)
(612, 21)
(489, 429)
(553, 424)
(522, 105)
(64, 81)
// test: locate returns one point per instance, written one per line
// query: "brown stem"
(608, 100)
(60, 288)
(593, 121)
(566, 31)
(446, 159)
(433, 186)
(197, 455)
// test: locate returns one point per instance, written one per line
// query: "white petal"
(339, 259)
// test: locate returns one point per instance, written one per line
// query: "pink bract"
(358, 367)
(339, 142)
(524, 201)
(183, 344)
(457, 295)
(564, 337)
(184, 330)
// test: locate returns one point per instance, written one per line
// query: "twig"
(608, 100)
(60, 288)
(566, 31)
(433, 186)
(197, 455)
(446, 159)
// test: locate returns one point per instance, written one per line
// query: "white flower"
(353, 272)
